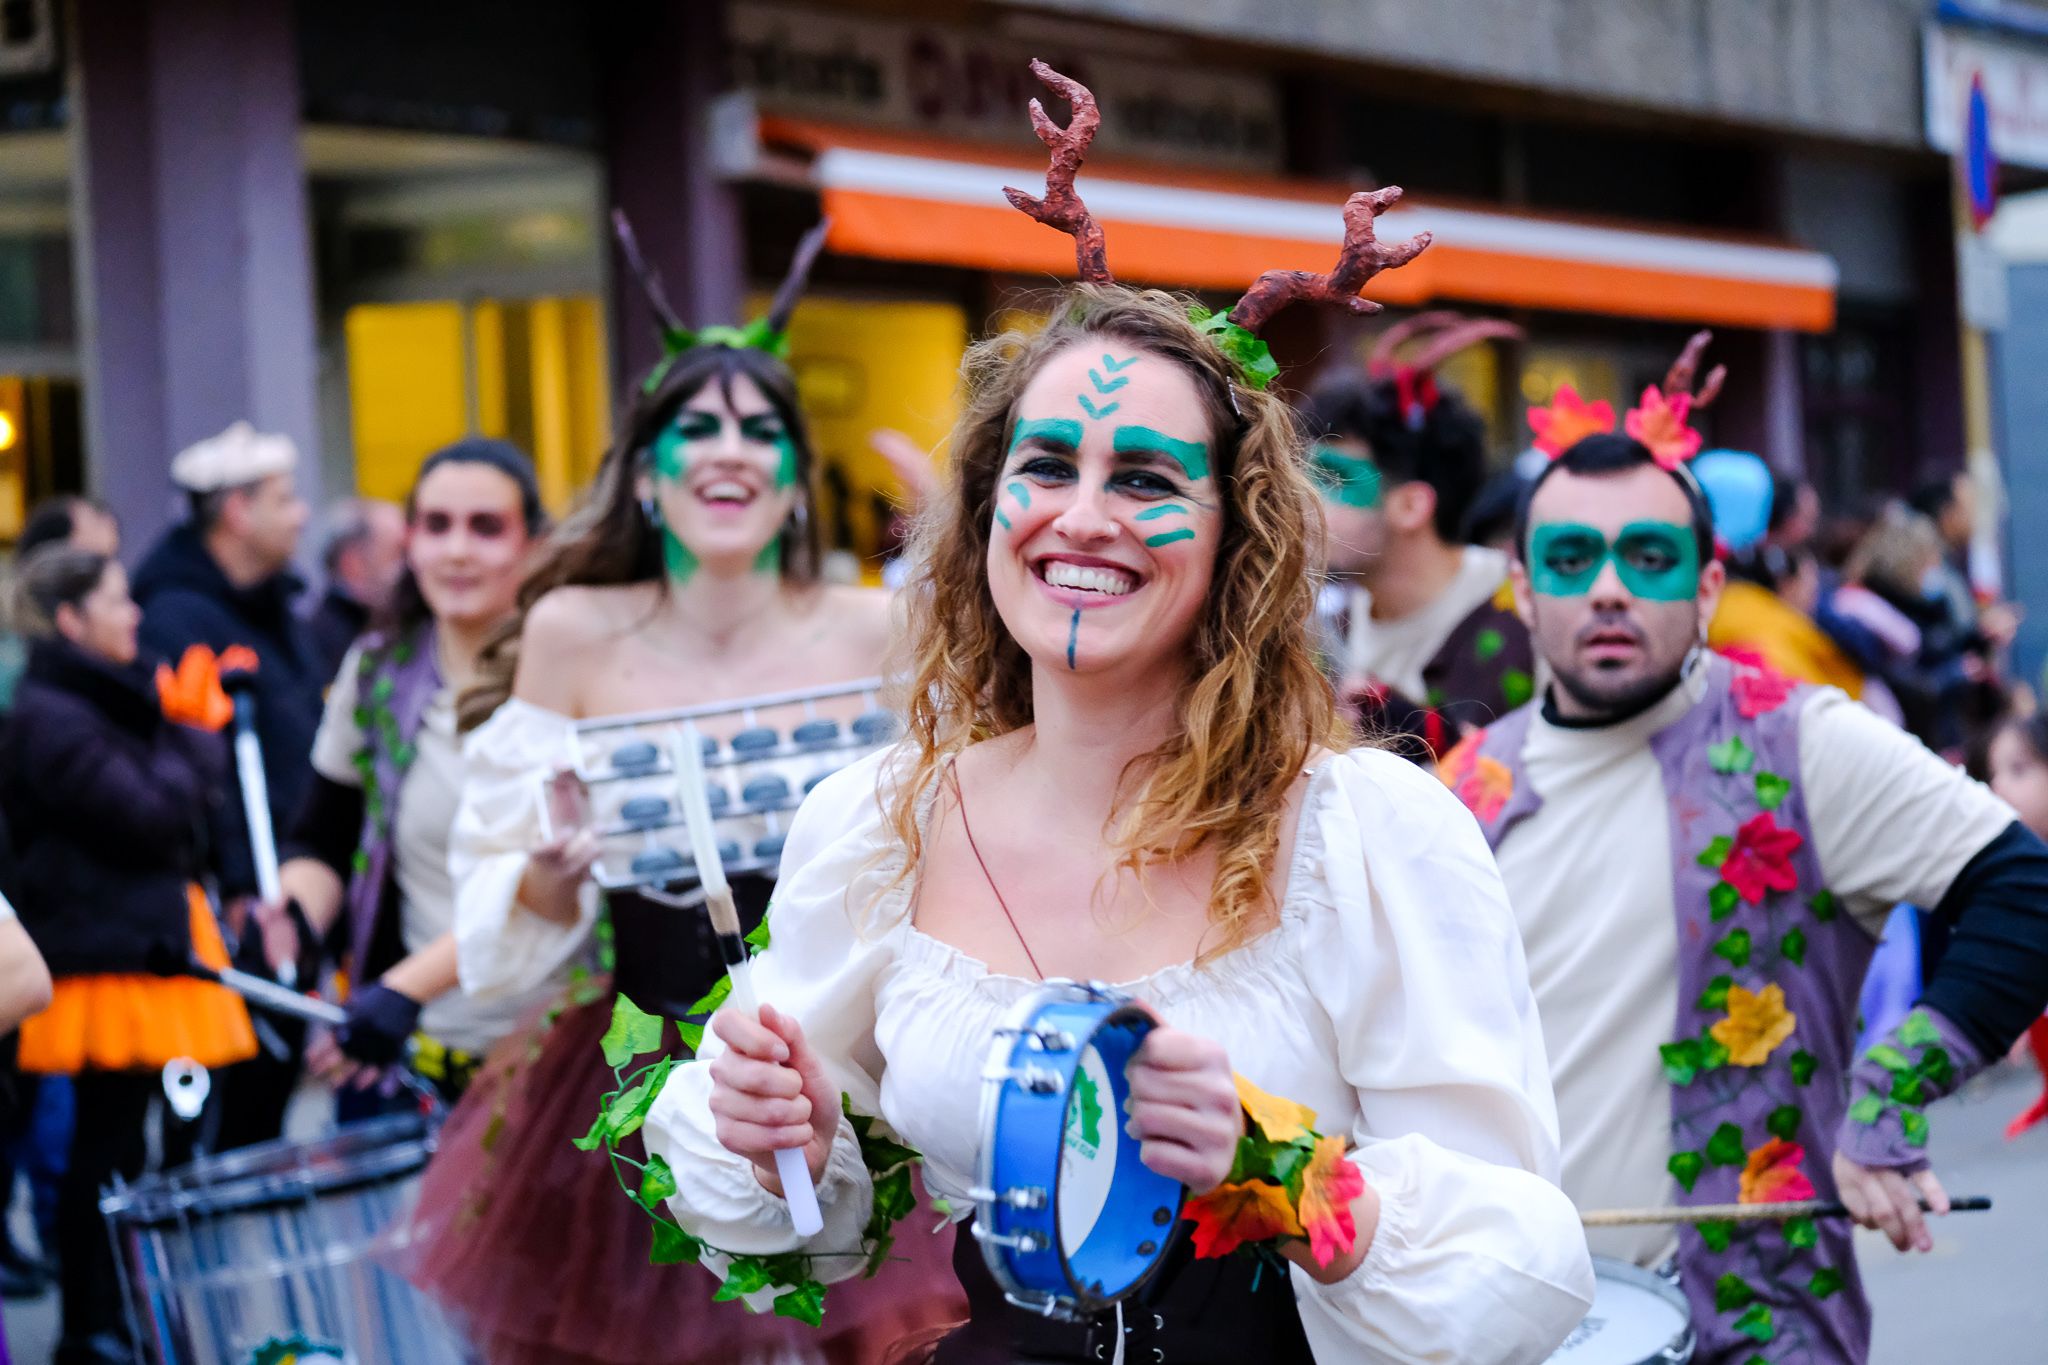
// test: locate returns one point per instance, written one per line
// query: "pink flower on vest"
(1772, 1174)
(1759, 691)
(1760, 860)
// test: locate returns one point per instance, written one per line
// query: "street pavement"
(1979, 1296)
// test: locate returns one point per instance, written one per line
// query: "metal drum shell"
(231, 1251)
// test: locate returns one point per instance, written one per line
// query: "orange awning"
(911, 199)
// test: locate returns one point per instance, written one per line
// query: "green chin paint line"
(1191, 456)
(677, 558)
(1073, 638)
(1168, 537)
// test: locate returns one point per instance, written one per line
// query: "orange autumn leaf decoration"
(1230, 1216)
(1757, 1023)
(1568, 420)
(1328, 1185)
(1280, 1120)
(1658, 423)
(1773, 1174)
(192, 694)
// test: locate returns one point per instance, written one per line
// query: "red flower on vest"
(1760, 859)
(1759, 691)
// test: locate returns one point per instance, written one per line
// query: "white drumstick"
(687, 754)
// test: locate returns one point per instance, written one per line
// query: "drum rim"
(224, 1183)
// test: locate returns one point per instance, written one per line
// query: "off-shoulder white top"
(1391, 998)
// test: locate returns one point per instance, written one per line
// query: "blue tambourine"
(1069, 1218)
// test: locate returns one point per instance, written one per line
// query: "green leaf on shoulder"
(1717, 1234)
(1889, 1057)
(1716, 853)
(743, 1275)
(710, 1001)
(1771, 790)
(625, 1114)
(1867, 1109)
(1731, 756)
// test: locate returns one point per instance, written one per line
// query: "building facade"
(379, 226)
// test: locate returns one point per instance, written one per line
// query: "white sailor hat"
(238, 456)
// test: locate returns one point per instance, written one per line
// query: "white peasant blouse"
(1391, 998)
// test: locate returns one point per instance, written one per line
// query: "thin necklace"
(961, 797)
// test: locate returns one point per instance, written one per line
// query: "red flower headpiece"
(1660, 421)
(1435, 337)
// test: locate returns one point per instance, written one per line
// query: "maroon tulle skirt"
(542, 1259)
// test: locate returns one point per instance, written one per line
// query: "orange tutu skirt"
(132, 1021)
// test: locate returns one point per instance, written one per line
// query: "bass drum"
(278, 1252)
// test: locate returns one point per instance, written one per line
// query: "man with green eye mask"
(1700, 856)
(1421, 636)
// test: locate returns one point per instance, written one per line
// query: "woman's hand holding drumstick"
(770, 1093)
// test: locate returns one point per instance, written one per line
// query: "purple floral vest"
(395, 684)
(1769, 969)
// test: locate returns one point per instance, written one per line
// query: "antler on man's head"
(1062, 207)
(1362, 257)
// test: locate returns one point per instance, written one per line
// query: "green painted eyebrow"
(1191, 456)
(1060, 431)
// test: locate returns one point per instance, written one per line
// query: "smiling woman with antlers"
(1123, 765)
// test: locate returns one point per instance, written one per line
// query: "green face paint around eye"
(1058, 431)
(1657, 561)
(769, 430)
(1191, 456)
(1347, 480)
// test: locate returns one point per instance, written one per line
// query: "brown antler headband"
(1062, 207)
(1362, 256)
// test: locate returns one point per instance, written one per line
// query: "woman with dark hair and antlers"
(1124, 766)
(688, 576)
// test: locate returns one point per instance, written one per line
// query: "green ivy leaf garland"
(635, 1033)
(1243, 348)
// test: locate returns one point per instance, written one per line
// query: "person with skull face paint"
(1700, 854)
(1123, 764)
(688, 576)
(1421, 632)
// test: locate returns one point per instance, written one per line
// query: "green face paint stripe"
(770, 558)
(1073, 637)
(1112, 364)
(1168, 537)
(1154, 513)
(1019, 492)
(1005, 521)
(1107, 385)
(1105, 410)
(1191, 456)
(1053, 430)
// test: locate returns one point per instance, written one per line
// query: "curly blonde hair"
(1255, 705)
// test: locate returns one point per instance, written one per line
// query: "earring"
(651, 510)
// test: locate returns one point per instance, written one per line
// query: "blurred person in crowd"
(2018, 763)
(1763, 615)
(371, 841)
(1951, 504)
(1413, 610)
(361, 556)
(71, 519)
(23, 991)
(67, 519)
(1684, 837)
(1890, 618)
(118, 813)
(1795, 520)
(221, 579)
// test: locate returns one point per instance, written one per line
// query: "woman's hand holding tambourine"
(1184, 1108)
(769, 1092)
